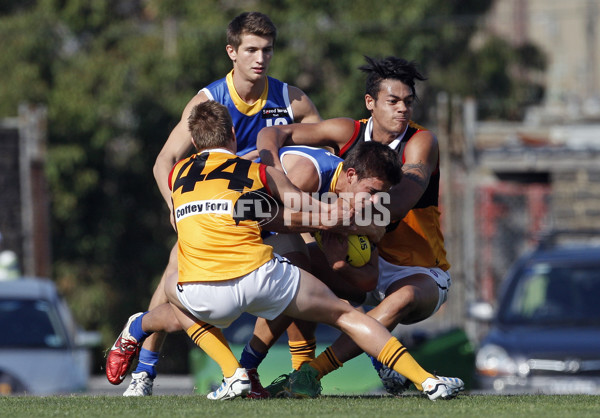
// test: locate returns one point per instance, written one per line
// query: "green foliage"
(30, 42)
(117, 74)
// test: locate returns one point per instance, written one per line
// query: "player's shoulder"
(217, 90)
(198, 98)
(177, 167)
(421, 145)
(414, 125)
(295, 92)
(303, 107)
(420, 133)
(217, 83)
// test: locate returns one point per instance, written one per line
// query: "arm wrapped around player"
(354, 257)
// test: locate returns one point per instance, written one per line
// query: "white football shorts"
(390, 273)
(264, 292)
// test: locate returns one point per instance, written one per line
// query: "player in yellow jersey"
(216, 194)
(313, 170)
(413, 270)
(254, 101)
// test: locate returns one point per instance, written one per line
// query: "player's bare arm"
(304, 109)
(417, 173)
(334, 133)
(252, 155)
(336, 216)
(420, 160)
(177, 146)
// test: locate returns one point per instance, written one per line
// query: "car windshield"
(547, 294)
(30, 324)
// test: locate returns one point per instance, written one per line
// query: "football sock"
(136, 331)
(396, 356)
(302, 352)
(213, 342)
(326, 362)
(147, 362)
(250, 358)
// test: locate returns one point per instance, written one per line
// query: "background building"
(568, 32)
(511, 181)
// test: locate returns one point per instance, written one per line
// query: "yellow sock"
(213, 342)
(396, 356)
(326, 362)
(302, 352)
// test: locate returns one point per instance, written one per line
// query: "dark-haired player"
(413, 269)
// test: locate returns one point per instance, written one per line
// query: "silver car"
(545, 334)
(42, 350)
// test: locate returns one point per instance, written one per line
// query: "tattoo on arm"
(417, 173)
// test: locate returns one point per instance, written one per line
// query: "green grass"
(326, 406)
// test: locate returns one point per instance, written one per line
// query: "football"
(359, 249)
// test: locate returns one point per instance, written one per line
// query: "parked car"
(42, 350)
(545, 334)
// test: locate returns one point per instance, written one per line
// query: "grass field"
(326, 406)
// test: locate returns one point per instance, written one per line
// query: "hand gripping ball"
(359, 249)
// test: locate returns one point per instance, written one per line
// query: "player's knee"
(349, 315)
(170, 287)
(410, 305)
(407, 294)
(172, 325)
(402, 301)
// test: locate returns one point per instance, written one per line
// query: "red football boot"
(122, 354)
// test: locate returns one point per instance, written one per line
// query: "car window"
(30, 324)
(549, 294)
